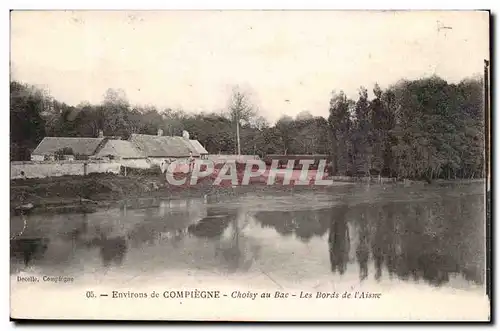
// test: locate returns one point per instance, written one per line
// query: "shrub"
(81, 157)
(63, 151)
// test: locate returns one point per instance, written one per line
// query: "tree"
(240, 109)
(431, 128)
(27, 125)
(284, 131)
(418, 129)
(340, 123)
(304, 116)
(116, 108)
(362, 137)
(382, 122)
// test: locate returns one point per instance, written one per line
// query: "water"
(391, 237)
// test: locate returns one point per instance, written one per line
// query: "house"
(158, 149)
(194, 145)
(140, 151)
(199, 148)
(124, 152)
(50, 147)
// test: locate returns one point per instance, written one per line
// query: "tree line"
(418, 129)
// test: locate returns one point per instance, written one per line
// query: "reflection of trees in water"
(423, 256)
(28, 249)
(154, 230)
(281, 221)
(54, 245)
(177, 236)
(391, 243)
(428, 240)
(467, 235)
(383, 231)
(338, 240)
(212, 227)
(305, 224)
(80, 230)
(412, 237)
(225, 228)
(230, 250)
(420, 240)
(363, 250)
(214, 224)
(112, 249)
(305, 221)
(238, 250)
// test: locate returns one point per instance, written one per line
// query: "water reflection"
(362, 249)
(214, 224)
(112, 250)
(226, 228)
(418, 240)
(427, 241)
(305, 224)
(339, 240)
(28, 250)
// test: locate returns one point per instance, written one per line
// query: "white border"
(258, 4)
(188, 4)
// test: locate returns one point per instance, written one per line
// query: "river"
(412, 244)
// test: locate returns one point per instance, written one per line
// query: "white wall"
(103, 167)
(135, 163)
(158, 160)
(42, 169)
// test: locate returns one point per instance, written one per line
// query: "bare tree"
(240, 109)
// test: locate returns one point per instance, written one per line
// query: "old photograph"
(250, 165)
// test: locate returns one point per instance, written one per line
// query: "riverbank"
(88, 193)
(85, 194)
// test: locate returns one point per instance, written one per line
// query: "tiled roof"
(198, 147)
(120, 148)
(82, 146)
(162, 146)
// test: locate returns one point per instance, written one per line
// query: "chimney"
(160, 132)
(101, 134)
(185, 134)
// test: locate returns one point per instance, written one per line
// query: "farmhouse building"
(50, 147)
(139, 151)
(124, 152)
(199, 148)
(159, 149)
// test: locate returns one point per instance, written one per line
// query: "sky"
(287, 61)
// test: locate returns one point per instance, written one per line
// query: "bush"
(155, 170)
(63, 151)
(81, 157)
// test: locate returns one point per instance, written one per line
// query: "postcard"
(270, 165)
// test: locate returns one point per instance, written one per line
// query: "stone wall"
(42, 169)
(103, 167)
(135, 163)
